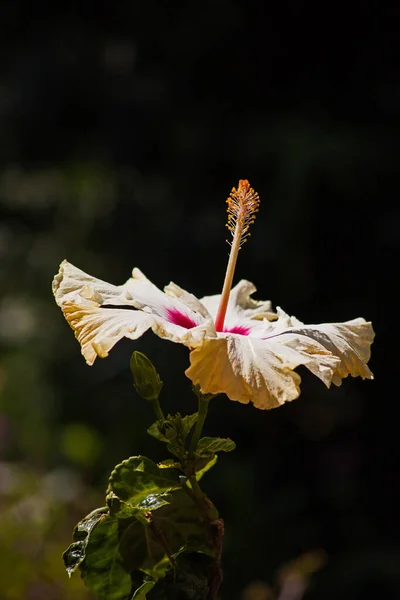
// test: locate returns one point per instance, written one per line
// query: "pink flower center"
(240, 329)
(178, 318)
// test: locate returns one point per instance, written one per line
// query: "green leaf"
(75, 554)
(173, 431)
(138, 477)
(189, 580)
(169, 530)
(169, 463)
(141, 549)
(209, 464)
(188, 423)
(154, 502)
(103, 568)
(181, 524)
(167, 430)
(136, 549)
(158, 570)
(124, 510)
(149, 520)
(117, 552)
(155, 430)
(210, 445)
(141, 593)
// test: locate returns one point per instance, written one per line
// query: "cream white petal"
(252, 370)
(263, 328)
(85, 300)
(350, 342)
(174, 291)
(241, 305)
(257, 370)
(148, 297)
(99, 329)
(284, 321)
(73, 285)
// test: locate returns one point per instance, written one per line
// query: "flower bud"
(147, 381)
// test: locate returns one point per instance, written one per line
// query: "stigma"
(243, 204)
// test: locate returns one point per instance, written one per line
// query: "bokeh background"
(123, 128)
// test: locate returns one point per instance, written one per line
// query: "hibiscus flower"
(238, 346)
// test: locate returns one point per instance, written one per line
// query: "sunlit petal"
(174, 291)
(349, 341)
(99, 329)
(249, 370)
(257, 370)
(73, 285)
(252, 360)
(241, 306)
(149, 298)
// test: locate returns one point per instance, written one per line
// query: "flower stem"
(203, 409)
(157, 409)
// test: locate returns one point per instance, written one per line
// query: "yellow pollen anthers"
(243, 204)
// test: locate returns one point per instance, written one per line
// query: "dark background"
(123, 127)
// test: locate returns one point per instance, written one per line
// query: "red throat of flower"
(243, 204)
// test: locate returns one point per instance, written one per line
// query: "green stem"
(203, 409)
(206, 506)
(157, 409)
(197, 496)
(196, 487)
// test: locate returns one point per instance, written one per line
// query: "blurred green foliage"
(37, 515)
(81, 444)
